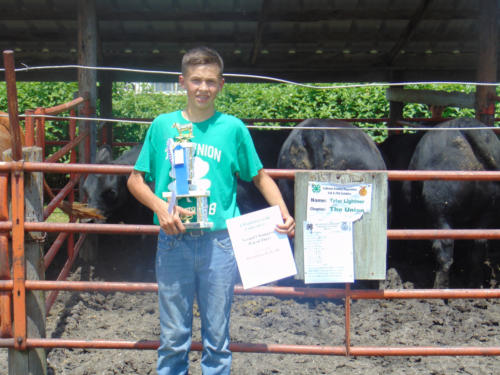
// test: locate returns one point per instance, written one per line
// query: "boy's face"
(202, 83)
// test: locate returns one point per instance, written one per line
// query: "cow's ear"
(104, 155)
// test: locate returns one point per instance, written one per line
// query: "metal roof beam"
(250, 16)
(210, 34)
(409, 31)
(260, 30)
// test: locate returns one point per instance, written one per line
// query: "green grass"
(58, 216)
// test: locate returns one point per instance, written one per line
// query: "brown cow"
(5, 133)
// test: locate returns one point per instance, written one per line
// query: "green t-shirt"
(224, 150)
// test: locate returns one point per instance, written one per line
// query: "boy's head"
(202, 78)
(201, 56)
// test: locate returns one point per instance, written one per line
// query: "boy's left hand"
(288, 227)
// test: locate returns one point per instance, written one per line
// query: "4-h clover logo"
(316, 188)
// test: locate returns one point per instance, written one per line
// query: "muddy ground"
(127, 316)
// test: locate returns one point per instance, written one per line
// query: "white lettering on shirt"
(208, 151)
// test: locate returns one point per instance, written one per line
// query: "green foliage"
(32, 95)
(244, 100)
(145, 104)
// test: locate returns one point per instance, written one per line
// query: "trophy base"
(201, 197)
(201, 225)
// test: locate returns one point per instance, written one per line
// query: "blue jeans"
(188, 265)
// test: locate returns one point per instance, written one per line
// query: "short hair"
(201, 56)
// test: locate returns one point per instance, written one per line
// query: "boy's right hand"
(171, 223)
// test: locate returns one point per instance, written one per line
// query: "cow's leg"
(443, 252)
(475, 272)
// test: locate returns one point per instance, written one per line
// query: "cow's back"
(345, 147)
(455, 202)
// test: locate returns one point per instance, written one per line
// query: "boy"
(199, 263)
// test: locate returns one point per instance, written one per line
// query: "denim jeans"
(188, 266)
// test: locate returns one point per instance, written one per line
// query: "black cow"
(268, 144)
(411, 258)
(109, 193)
(397, 151)
(336, 149)
(455, 204)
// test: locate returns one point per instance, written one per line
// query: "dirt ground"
(134, 316)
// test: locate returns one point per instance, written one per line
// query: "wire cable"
(252, 76)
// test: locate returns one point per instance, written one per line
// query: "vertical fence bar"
(40, 130)
(17, 189)
(18, 260)
(10, 79)
(27, 263)
(73, 159)
(347, 319)
(29, 127)
(5, 297)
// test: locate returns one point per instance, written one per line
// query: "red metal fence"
(10, 285)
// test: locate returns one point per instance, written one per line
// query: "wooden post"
(395, 115)
(430, 97)
(31, 361)
(487, 60)
(106, 106)
(87, 78)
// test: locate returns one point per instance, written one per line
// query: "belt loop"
(196, 233)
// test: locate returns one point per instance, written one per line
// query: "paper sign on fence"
(328, 252)
(262, 254)
(327, 201)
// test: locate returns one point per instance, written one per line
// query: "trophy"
(181, 154)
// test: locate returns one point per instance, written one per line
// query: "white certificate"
(337, 202)
(262, 254)
(328, 252)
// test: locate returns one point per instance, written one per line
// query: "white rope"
(98, 119)
(259, 77)
(268, 127)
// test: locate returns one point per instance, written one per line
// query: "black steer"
(334, 149)
(397, 151)
(268, 144)
(455, 204)
(109, 193)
